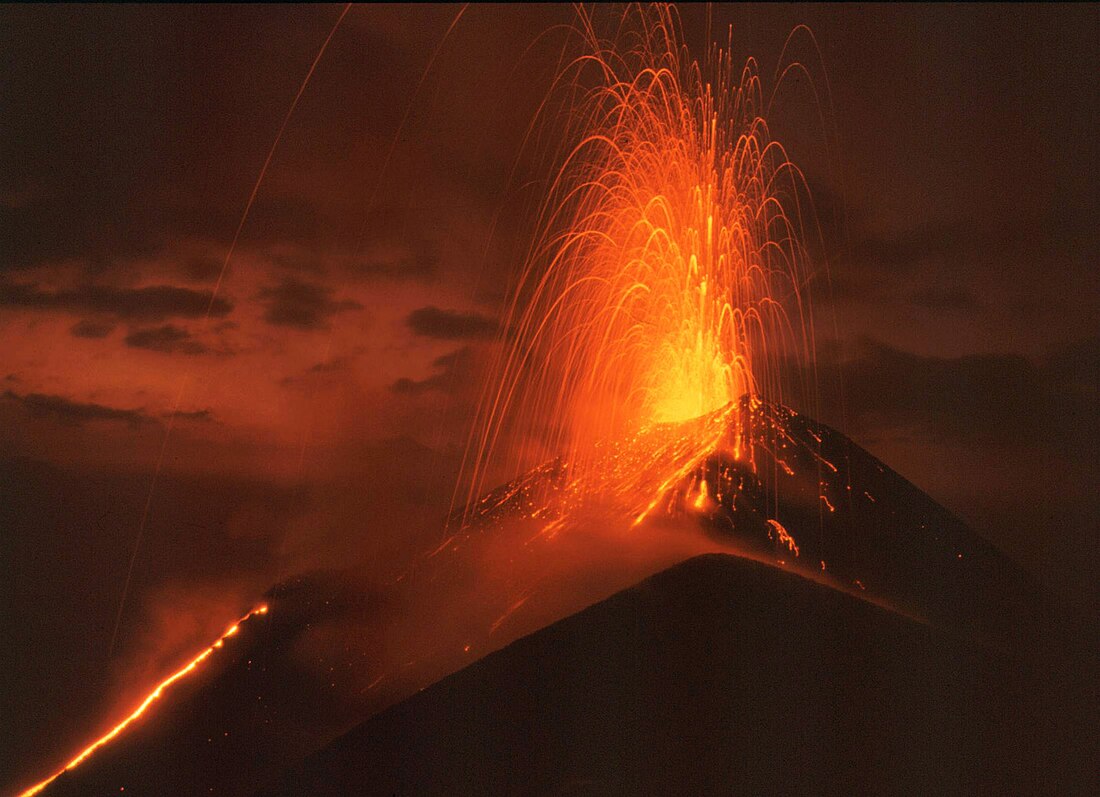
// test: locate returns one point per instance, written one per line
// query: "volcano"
(848, 635)
(720, 675)
(781, 488)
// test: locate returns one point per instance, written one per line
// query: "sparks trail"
(666, 279)
(206, 320)
(184, 671)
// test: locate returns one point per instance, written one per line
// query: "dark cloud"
(91, 329)
(73, 412)
(153, 303)
(304, 305)
(168, 339)
(432, 322)
(451, 372)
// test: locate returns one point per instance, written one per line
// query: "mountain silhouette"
(862, 641)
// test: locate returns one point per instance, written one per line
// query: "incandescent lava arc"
(668, 272)
(142, 707)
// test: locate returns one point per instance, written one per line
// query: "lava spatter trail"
(668, 275)
(809, 501)
(142, 707)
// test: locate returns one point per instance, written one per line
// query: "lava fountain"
(667, 275)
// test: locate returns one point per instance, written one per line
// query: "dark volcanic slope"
(857, 523)
(720, 675)
(225, 729)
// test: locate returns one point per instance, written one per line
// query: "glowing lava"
(667, 276)
(184, 671)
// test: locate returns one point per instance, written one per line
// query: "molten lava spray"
(667, 275)
(663, 291)
(142, 707)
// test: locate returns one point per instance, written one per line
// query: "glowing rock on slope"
(142, 707)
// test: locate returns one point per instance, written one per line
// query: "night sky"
(319, 403)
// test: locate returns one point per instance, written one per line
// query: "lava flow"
(667, 279)
(184, 671)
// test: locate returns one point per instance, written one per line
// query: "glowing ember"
(187, 669)
(784, 536)
(701, 501)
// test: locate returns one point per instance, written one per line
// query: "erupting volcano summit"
(668, 273)
(637, 562)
